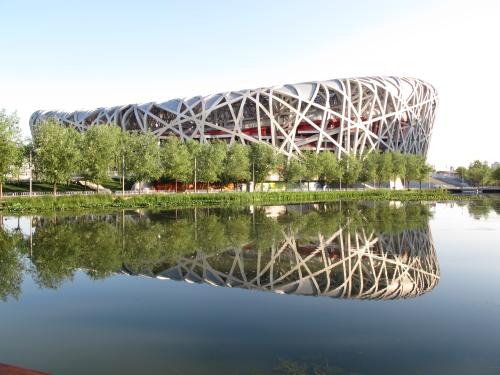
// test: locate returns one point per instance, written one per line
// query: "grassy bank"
(50, 203)
(24, 186)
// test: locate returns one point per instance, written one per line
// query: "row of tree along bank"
(60, 153)
(479, 174)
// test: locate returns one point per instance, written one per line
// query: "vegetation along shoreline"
(170, 201)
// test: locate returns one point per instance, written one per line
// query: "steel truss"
(352, 116)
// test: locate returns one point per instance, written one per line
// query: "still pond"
(330, 288)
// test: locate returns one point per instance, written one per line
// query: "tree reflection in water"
(371, 250)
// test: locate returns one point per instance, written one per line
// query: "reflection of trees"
(481, 208)
(11, 264)
(61, 247)
(303, 242)
(348, 249)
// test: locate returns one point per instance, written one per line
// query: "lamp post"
(123, 174)
(253, 176)
(31, 175)
(195, 174)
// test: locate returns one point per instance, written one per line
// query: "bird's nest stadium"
(345, 116)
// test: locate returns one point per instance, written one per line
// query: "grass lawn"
(24, 186)
(116, 185)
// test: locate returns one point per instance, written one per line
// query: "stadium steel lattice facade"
(353, 115)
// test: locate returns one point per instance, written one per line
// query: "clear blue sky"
(83, 54)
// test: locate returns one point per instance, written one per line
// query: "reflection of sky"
(468, 252)
(135, 323)
(11, 223)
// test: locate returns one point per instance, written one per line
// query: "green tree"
(311, 166)
(263, 160)
(384, 167)
(143, 157)
(351, 169)
(10, 149)
(424, 170)
(210, 165)
(122, 150)
(478, 173)
(329, 168)
(292, 171)
(176, 160)
(398, 166)
(100, 147)
(194, 149)
(462, 172)
(57, 152)
(369, 167)
(495, 175)
(237, 164)
(412, 170)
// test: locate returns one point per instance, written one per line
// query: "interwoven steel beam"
(352, 115)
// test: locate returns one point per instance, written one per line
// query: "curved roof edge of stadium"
(303, 90)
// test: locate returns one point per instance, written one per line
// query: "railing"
(88, 192)
(43, 193)
(163, 192)
(138, 192)
(203, 191)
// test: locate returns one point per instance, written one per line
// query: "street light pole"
(123, 174)
(195, 174)
(31, 176)
(253, 176)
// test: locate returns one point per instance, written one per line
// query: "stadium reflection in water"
(340, 250)
(350, 262)
(344, 265)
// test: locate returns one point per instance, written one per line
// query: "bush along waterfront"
(108, 201)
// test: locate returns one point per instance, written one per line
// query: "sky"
(72, 55)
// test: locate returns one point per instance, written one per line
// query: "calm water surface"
(343, 288)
